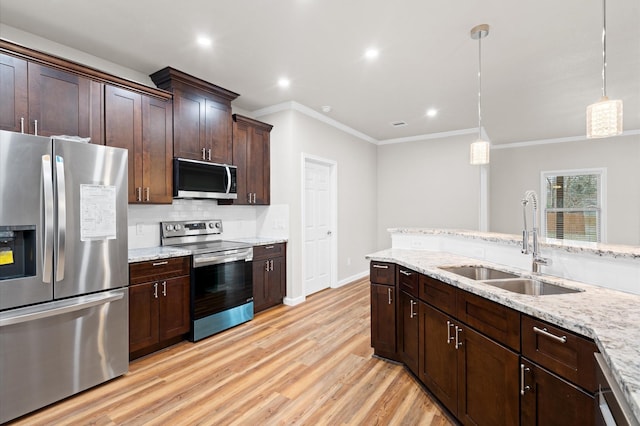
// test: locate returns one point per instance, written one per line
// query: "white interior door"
(318, 233)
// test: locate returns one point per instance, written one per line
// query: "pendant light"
(479, 152)
(604, 118)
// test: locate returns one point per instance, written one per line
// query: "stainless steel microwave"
(199, 179)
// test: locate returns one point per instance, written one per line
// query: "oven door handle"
(226, 257)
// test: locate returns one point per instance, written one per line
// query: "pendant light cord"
(480, 87)
(604, 48)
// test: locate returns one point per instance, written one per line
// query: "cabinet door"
(59, 101)
(488, 381)
(383, 320)
(218, 132)
(551, 401)
(275, 278)
(173, 295)
(157, 151)
(438, 367)
(409, 333)
(123, 129)
(258, 166)
(259, 285)
(14, 111)
(143, 316)
(240, 146)
(189, 118)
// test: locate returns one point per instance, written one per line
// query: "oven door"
(220, 286)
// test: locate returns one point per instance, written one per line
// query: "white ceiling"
(541, 63)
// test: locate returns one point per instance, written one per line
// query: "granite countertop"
(599, 249)
(164, 252)
(155, 253)
(609, 317)
(260, 241)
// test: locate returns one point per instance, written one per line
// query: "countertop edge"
(615, 251)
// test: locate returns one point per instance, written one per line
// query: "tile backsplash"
(237, 221)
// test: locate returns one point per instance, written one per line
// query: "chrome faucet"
(531, 197)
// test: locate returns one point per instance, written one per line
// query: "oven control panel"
(190, 227)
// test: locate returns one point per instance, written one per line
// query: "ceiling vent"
(398, 123)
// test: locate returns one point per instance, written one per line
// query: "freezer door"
(91, 209)
(56, 349)
(26, 220)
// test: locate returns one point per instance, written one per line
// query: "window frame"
(602, 199)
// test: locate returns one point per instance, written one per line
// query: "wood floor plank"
(310, 364)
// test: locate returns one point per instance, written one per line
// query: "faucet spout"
(531, 197)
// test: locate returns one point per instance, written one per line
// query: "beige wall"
(295, 133)
(427, 184)
(515, 170)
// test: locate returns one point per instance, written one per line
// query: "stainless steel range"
(221, 275)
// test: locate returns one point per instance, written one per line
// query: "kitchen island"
(607, 316)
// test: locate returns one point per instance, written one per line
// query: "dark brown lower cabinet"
(473, 376)
(383, 320)
(408, 337)
(551, 400)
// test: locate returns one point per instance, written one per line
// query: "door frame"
(333, 172)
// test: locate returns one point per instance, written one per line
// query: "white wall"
(427, 184)
(295, 133)
(515, 170)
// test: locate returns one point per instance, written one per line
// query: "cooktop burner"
(213, 246)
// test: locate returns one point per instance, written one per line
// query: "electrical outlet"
(139, 229)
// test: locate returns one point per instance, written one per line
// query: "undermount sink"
(530, 287)
(479, 273)
(508, 281)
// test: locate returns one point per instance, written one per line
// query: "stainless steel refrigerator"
(63, 269)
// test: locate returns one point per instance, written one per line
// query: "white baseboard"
(352, 278)
(293, 301)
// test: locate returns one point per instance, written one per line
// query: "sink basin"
(530, 287)
(479, 273)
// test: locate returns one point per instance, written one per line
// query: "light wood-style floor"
(310, 364)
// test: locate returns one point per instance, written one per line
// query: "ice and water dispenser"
(17, 251)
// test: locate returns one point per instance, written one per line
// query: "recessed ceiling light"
(204, 41)
(432, 112)
(284, 83)
(371, 53)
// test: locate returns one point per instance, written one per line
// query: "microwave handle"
(228, 179)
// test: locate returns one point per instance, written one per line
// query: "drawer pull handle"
(523, 387)
(268, 247)
(449, 338)
(403, 272)
(545, 332)
(458, 342)
(381, 266)
(160, 263)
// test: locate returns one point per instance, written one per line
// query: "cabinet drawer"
(408, 280)
(383, 273)
(562, 352)
(490, 318)
(160, 269)
(268, 251)
(437, 293)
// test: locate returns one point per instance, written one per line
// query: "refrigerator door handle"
(62, 218)
(47, 188)
(59, 310)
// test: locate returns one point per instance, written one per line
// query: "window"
(574, 205)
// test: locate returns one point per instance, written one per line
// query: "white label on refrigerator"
(97, 212)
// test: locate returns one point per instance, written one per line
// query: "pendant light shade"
(479, 150)
(604, 118)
